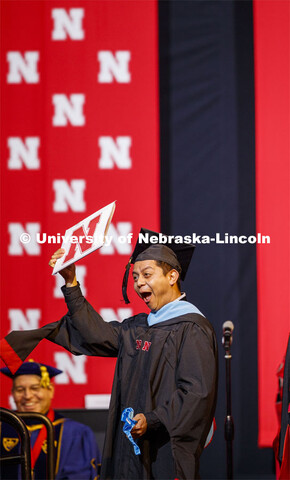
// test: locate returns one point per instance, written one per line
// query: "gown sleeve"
(188, 414)
(82, 331)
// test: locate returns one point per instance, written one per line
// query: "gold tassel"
(45, 379)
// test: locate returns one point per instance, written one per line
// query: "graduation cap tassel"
(45, 379)
(125, 282)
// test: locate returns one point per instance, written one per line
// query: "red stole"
(35, 451)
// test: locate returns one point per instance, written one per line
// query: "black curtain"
(208, 187)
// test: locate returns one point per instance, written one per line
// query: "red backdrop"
(272, 66)
(80, 130)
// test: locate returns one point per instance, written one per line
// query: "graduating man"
(166, 367)
(76, 451)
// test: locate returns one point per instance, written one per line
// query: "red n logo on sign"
(82, 244)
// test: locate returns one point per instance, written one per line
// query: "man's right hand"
(68, 273)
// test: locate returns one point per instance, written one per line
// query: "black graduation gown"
(167, 371)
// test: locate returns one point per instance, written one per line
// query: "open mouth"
(146, 296)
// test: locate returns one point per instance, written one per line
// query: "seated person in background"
(76, 451)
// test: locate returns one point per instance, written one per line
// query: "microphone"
(228, 328)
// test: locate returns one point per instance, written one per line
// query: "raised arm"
(68, 273)
(82, 331)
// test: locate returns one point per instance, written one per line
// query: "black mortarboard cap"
(157, 246)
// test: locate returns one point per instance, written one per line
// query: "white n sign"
(73, 368)
(69, 195)
(119, 239)
(20, 320)
(114, 66)
(68, 24)
(115, 152)
(23, 67)
(23, 238)
(23, 153)
(68, 110)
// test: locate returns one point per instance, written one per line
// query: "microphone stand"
(229, 424)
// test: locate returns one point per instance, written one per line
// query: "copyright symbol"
(25, 237)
